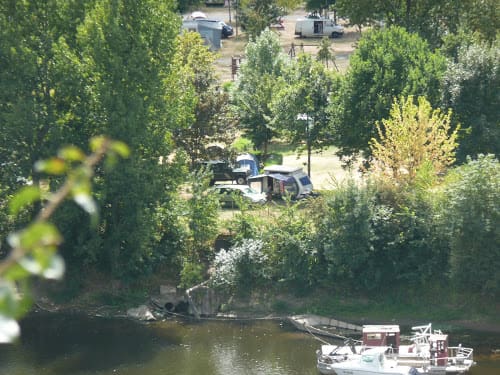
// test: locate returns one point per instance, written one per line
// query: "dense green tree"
(259, 79)
(290, 249)
(370, 237)
(36, 113)
(257, 15)
(471, 212)
(387, 63)
(346, 235)
(126, 49)
(359, 13)
(431, 19)
(210, 122)
(470, 88)
(319, 5)
(481, 17)
(300, 107)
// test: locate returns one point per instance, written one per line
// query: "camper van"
(317, 27)
(281, 180)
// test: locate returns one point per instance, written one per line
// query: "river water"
(64, 344)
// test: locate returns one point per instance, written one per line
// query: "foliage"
(210, 121)
(369, 240)
(387, 63)
(345, 236)
(201, 218)
(36, 110)
(128, 49)
(185, 5)
(481, 17)
(359, 12)
(259, 79)
(257, 15)
(415, 136)
(34, 248)
(470, 88)
(245, 224)
(326, 52)
(242, 267)
(299, 108)
(432, 20)
(471, 213)
(74, 69)
(319, 5)
(192, 273)
(290, 247)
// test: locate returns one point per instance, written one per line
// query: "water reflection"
(62, 344)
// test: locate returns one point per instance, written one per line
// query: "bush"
(242, 267)
(471, 213)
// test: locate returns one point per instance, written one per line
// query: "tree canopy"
(387, 63)
(470, 88)
(415, 136)
(260, 77)
(300, 107)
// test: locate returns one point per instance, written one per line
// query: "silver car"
(228, 194)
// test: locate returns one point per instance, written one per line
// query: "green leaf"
(96, 143)
(26, 196)
(16, 272)
(8, 298)
(54, 166)
(120, 148)
(71, 153)
(39, 234)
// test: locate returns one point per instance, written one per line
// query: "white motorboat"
(371, 362)
(427, 350)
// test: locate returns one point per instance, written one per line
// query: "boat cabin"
(381, 335)
(438, 349)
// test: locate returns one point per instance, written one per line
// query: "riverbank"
(468, 312)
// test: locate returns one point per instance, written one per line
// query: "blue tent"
(248, 161)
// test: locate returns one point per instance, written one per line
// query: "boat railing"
(459, 353)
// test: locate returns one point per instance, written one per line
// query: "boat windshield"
(367, 358)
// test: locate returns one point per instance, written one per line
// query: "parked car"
(228, 194)
(227, 30)
(222, 170)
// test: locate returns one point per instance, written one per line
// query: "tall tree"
(415, 136)
(127, 49)
(259, 79)
(211, 121)
(300, 108)
(470, 88)
(36, 113)
(387, 63)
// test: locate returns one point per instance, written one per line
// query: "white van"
(317, 27)
(280, 180)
